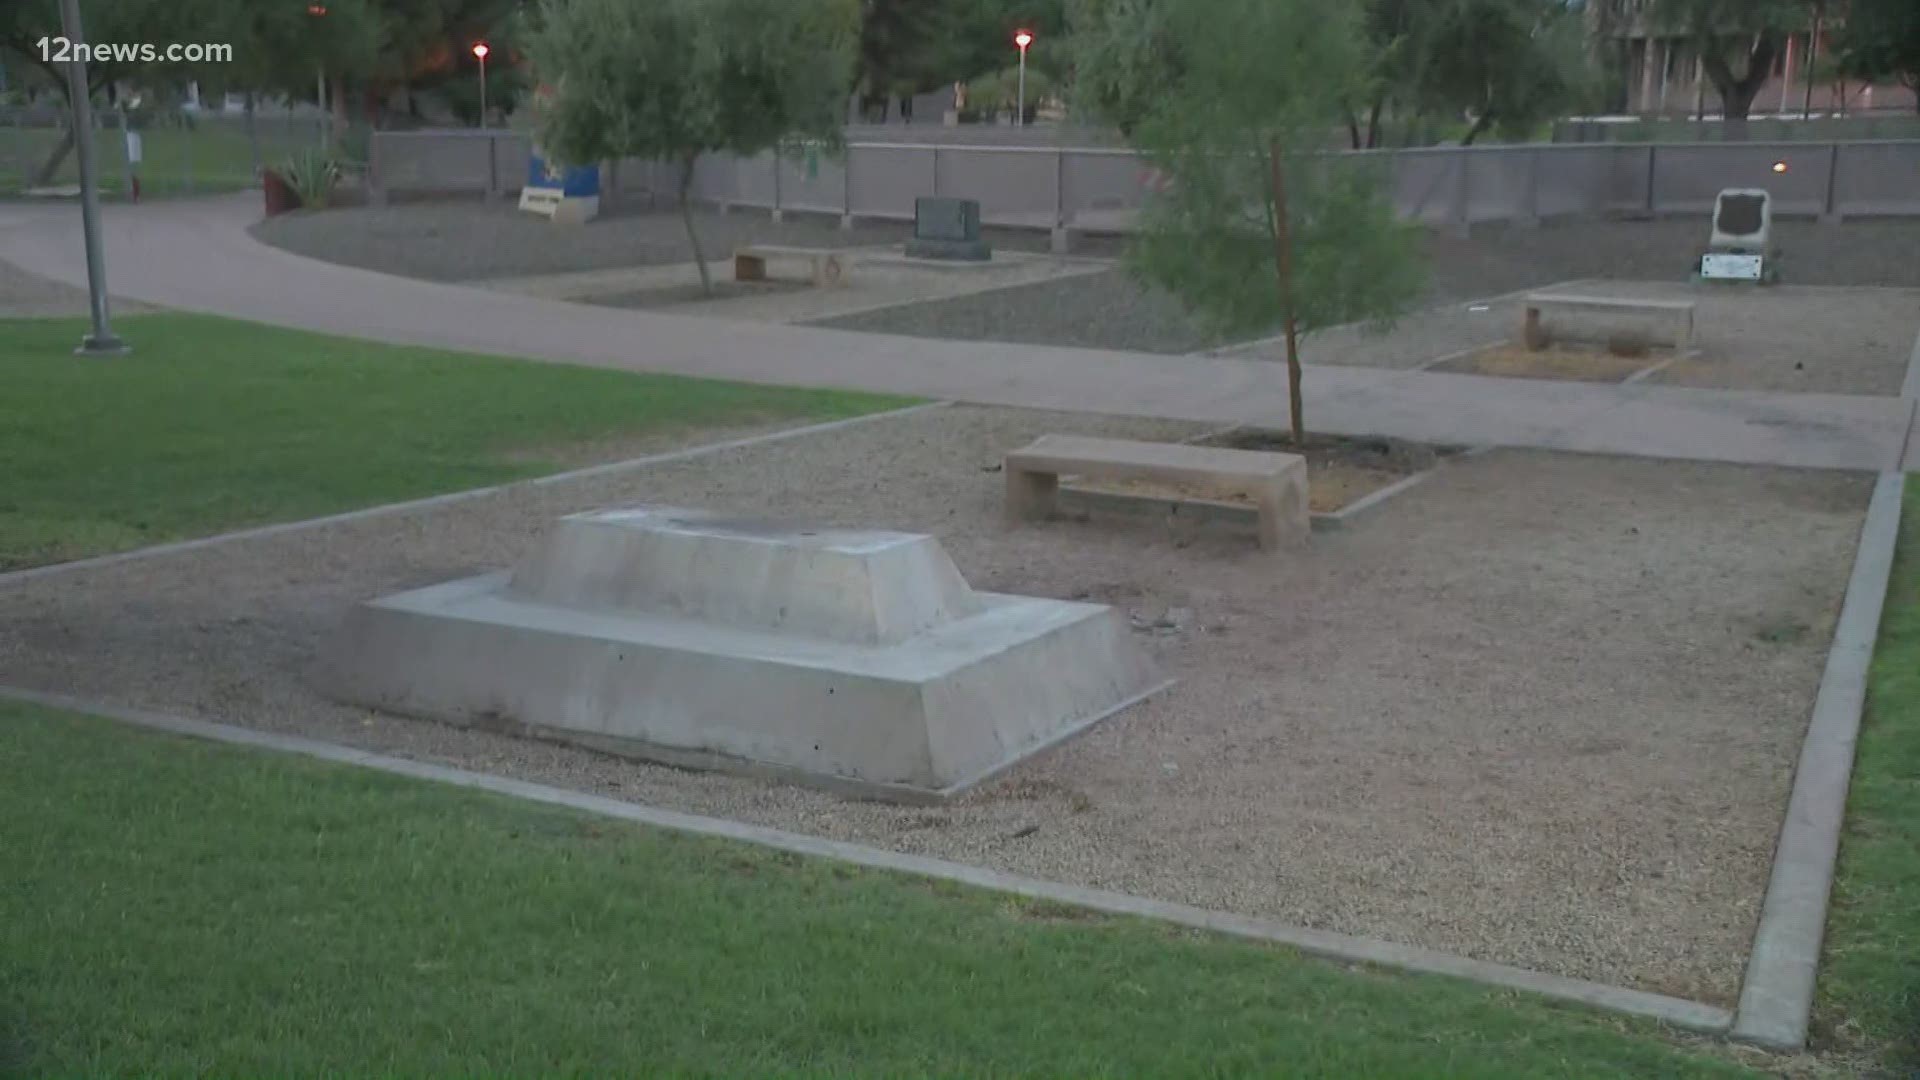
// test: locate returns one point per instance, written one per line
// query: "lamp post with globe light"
(480, 52)
(1022, 38)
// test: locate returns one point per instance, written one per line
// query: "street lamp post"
(100, 340)
(480, 52)
(1022, 38)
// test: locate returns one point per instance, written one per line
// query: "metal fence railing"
(181, 153)
(1100, 190)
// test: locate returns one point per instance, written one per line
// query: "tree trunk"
(1353, 130)
(686, 218)
(55, 158)
(1737, 94)
(1283, 268)
(1480, 125)
(338, 129)
(1373, 124)
(253, 136)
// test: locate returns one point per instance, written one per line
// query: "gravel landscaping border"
(1527, 771)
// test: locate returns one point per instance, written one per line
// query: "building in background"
(1658, 72)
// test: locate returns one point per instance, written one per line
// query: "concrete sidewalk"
(196, 255)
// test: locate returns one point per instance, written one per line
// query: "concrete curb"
(1910, 387)
(1341, 947)
(31, 573)
(1776, 1002)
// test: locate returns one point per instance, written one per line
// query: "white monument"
(859, 661)
(1739, 248)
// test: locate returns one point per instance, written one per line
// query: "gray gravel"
(451, 241)
(471, 240)
(31, 296)
(1541, 709)
(1113, 312)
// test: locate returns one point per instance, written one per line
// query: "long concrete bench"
(826, 266)
(1277, 483)
(1678, 313)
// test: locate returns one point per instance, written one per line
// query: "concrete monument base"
(853, 660)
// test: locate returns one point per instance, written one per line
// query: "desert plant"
(311, 173)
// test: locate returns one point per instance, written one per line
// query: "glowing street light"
(1022, 38)
(480, 52)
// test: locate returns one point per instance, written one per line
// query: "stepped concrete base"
(857, 661)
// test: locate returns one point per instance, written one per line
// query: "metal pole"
(100, 341)
(1020, 116)
(483, 91)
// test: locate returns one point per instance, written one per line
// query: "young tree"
(1236, 103)
(1738, 42)
(670, 80)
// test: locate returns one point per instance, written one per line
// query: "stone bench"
(1277, 483)
(826, 266)
(1679, 313)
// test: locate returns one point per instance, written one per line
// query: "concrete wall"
(1092, 189)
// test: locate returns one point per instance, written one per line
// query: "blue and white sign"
(569, 194)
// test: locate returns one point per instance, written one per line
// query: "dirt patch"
(1542, 709)
(723, 289)
(1555, 362)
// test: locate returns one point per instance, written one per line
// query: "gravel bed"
(24, 295)
(1541, 709)
(1114, 312)
(471, 240)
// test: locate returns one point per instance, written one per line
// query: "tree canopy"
(1236, 102)
(670, 80)
(1880, 41)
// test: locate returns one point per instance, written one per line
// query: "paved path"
(196, 255)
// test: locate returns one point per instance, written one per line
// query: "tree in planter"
(670, 80)
(1738, 42)
(1236, 104)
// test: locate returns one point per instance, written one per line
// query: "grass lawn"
(171, 906)
(1869, 1000)
(213, 156)
(213, 424)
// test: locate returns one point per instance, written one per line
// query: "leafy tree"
(912, 46)
(1738, 41)
(670, 80)
(1880, 41)
(1235, 103)
(1510, 64)
(1123, 58)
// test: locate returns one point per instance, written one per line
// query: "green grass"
(213, 424)
(1869, 1000)
(177, 907)
(211, 157)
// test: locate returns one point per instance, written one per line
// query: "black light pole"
(100, 342)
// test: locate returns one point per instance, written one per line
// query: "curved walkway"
(196, 255)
